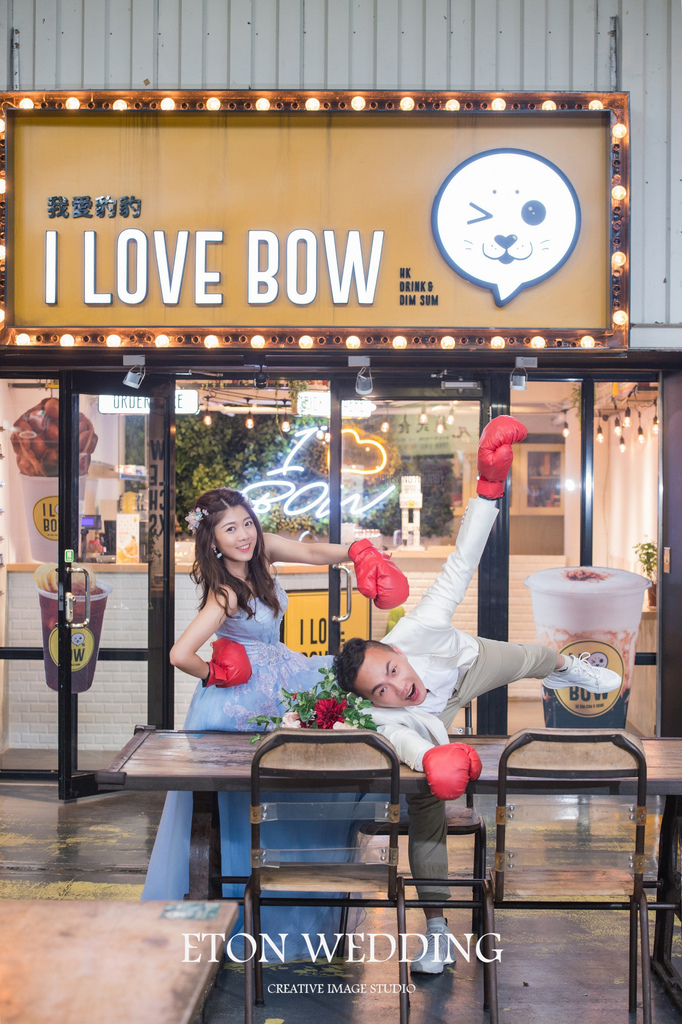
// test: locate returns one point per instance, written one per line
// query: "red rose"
(328, 711)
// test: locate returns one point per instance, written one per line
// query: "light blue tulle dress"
(274, 667)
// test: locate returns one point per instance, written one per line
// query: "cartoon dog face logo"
(506, 219)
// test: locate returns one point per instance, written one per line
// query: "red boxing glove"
(495, 454)
(377, 577)
(229, 665)
(449, 768)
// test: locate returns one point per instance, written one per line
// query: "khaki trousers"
(496, 665)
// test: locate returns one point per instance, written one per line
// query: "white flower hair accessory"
(195, 517)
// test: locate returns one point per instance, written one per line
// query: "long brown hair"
(212, 574)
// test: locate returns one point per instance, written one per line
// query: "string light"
(640, 432)
(654, 426)
(385, 426)
(440, 426)
(208, 419)
(622, 444)
(565, 430)
(451, 417)
(319, 434)
(422, 415)
(600, 434)
(286, 425)
(618, 430)
(627, 417)
(327, 437)
(249, 422)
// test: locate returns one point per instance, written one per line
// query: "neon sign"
(265, 494)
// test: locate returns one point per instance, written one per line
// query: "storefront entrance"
(318, 459)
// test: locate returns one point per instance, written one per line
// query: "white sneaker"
(587, 677)
(438, 951)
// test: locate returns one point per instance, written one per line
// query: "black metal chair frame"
(636, 904)
(301, 779)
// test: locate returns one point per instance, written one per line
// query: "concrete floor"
(554, 965)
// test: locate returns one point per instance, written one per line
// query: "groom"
(425, 670)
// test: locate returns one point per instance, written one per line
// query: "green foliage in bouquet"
(320, 708)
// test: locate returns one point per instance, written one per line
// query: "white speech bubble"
(506, 219)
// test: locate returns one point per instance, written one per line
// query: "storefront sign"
(186, 402)
(305, 621)
(422, 220)
(298, 498)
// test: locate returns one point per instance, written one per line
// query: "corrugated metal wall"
(387, 44)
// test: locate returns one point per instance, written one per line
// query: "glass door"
(407, 468)
(88, 589)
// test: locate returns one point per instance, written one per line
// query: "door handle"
(349, 593)
(70, 599)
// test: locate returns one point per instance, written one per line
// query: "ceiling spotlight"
(518, 379)
(363, 381)
(260, 380)
(134, 376)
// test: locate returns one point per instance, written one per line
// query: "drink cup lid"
(586, 579)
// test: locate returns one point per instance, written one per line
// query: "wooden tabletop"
(222, 761)
(109, 961)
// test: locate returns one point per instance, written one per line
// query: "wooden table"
(208, 762)
(109, 961)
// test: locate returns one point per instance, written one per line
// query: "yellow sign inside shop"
(305, 621)
(135, 219)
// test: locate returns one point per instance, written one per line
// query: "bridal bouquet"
(325, 706)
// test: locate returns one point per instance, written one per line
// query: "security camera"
(261, 379)
(134, 377)
(363, 382)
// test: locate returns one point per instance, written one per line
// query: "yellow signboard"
(305, 621)
(146, 219)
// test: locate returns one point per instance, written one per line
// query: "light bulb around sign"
(168, 103)
(263, 103)
(407, 103)
(618, 193)
(119, 105)
(506, 219)
(23, 339)
(312, 103)
(399, 341)
(113, 340)
(211, 341)
(618, 259)
(447, 341)
(73, 103)
(620, 318)
(358, 103)
(549, 105)
(352, 341)
(452, 104)
(213, 103)
(26, 103)
(498, 104)
(497, 341)
(258, 341)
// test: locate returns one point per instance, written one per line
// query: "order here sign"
(210, 219)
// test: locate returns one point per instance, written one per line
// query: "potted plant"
(647, 555)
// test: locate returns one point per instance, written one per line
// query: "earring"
(217, 553)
